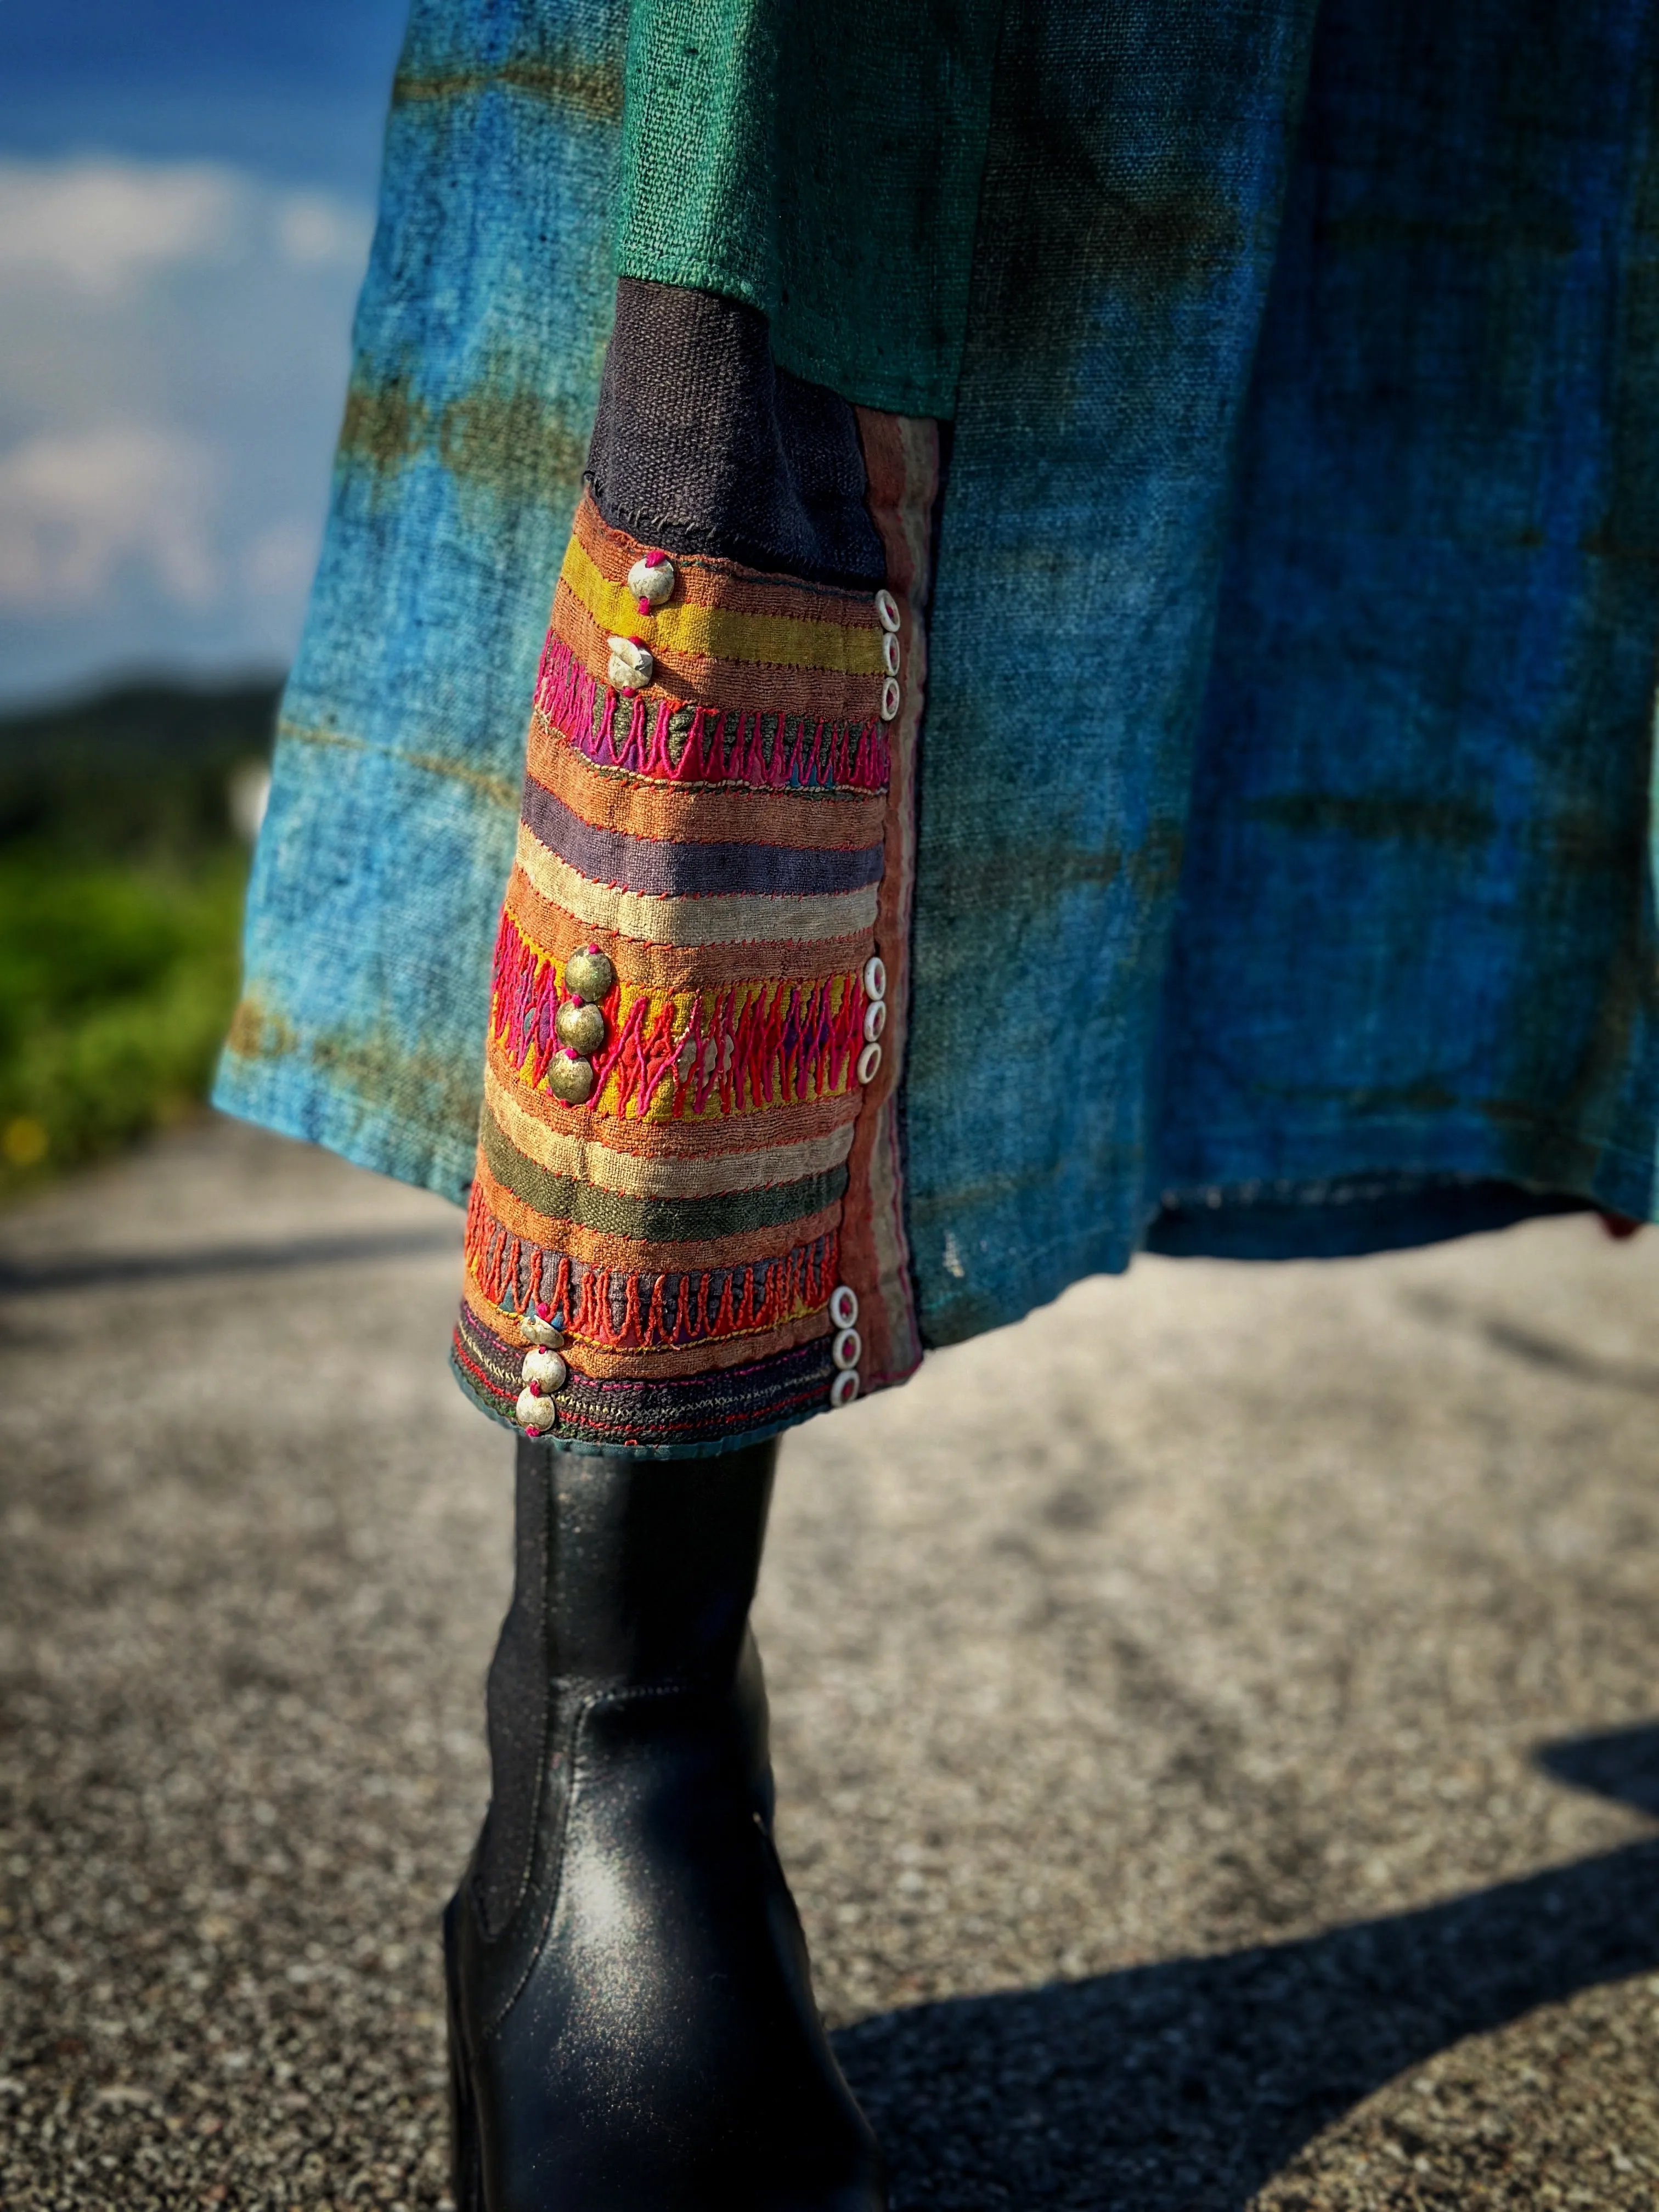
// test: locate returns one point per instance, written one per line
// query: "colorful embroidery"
(620, 1310)
(738, 1049)
(676, 1414)
(714, 846)
(678, 742)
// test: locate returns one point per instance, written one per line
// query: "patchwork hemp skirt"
(684, 1227)
(1254, 401)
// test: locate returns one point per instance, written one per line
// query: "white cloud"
(75, 508)
(102, 226)
(314, 230)
(173, 350)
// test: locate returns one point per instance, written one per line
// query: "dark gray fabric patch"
(701, 445)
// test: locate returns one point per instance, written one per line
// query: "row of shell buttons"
(846, 1347)
(875, 1017)
(887, 614)
(544, 1370)
(651, 580)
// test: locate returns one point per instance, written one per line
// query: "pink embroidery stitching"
(720, 745)
(747, 1046)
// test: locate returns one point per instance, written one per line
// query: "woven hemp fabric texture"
(1292, 648)
(478, 345)
(670, 1209)
(822, 165)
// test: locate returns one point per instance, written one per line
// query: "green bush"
(116, 983)
(121, 886)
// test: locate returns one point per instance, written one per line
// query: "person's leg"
(632, 2027)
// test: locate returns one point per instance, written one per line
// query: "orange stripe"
(823, 694)
(610, 798)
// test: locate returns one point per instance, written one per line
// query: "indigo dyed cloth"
(1282, 871)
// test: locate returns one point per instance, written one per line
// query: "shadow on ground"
(1186, 2086)
(124, 1268)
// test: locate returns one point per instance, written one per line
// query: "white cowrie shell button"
(544, 1367)
(869, 1061)
(875, 977)
(848, 1349)
(845, 1387)
(632, 665)
(534, 1330)
(651, 581)
(875, 1020)
(891, 695)
(887, 610)
(889, 653)
(843, 1305)
(534, 1410)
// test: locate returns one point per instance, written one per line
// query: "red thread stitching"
(622, 1309)
(627, 730)
(745, 1048)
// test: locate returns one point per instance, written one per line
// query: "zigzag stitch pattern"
(747, 1046)
(710, 744)
(617, 1309)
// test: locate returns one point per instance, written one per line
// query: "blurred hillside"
(124, 822)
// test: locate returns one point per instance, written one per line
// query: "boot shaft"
(627, 1574)
(647, 1568)
(631, 2016)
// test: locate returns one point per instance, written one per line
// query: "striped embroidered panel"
(690, 1010)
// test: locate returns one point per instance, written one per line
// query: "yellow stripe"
(757, 917)
(718, 633)
(660, 1178)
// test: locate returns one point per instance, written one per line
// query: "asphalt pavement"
(1216, 1721)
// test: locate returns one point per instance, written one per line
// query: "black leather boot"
(631, 2022)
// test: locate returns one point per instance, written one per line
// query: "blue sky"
(186, 196)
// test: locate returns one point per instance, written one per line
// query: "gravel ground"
(1215, 1720)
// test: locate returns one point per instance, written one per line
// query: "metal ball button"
(579, 1026)
(589, 975)
(571, 1078)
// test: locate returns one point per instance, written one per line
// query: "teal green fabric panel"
(478, 345)
(822, 165)
(1139, 161)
